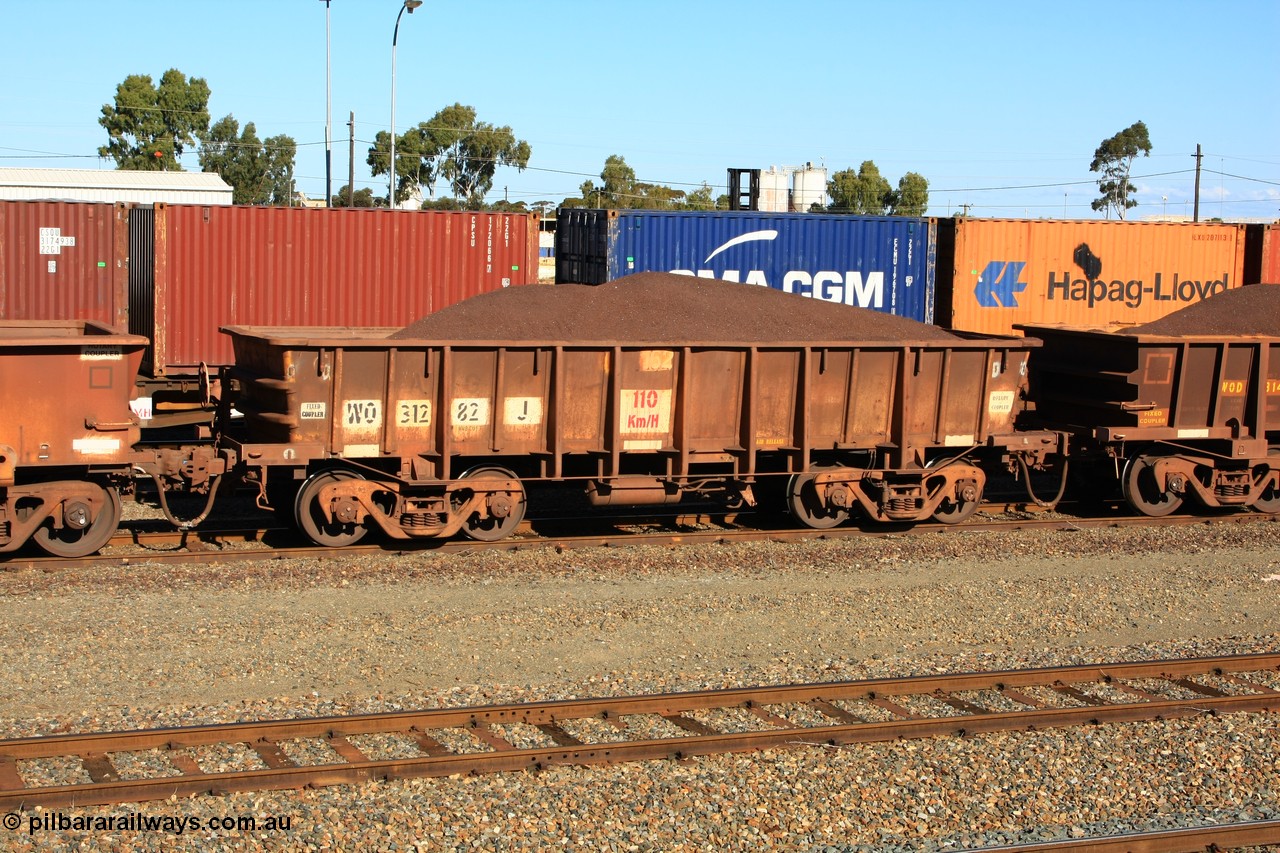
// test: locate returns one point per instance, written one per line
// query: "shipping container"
(209, 266)
(64, 261)
(1270, 254)
(1093, 274)
(883, 263)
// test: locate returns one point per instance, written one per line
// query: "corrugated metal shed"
(113, 185)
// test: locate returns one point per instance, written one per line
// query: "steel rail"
(1228, 836)
(772, 710)
(207, 549)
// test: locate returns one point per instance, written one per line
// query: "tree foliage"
(912, 196)
(258, 172)
(1114, 159)
(148, 127)
(364, 198)
(700, 199)
(619, 188)
(443, 204)
(863, 192)
(869, 193)
(452, 146)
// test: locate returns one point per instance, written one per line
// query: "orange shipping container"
(1271, 254)
(1093, 274)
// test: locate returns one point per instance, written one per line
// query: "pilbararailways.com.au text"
(36, 824)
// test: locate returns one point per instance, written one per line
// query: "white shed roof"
(111, 185)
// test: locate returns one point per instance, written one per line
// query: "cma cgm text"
(848, 288)
(1132, 293)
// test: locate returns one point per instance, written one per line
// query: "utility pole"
(351, 160)
(1195, 216)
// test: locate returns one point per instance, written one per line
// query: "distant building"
(112, 185)
(793, 188)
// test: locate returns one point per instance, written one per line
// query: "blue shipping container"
(878, 262)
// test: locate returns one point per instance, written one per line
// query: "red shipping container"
(64, 261)
(222, 266)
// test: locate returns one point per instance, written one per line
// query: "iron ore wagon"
(1172, 417)
(354, 430)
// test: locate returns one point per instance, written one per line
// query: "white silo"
(809, 187)
(774, 193)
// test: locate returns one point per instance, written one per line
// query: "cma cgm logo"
(999, 283)
(848, 288)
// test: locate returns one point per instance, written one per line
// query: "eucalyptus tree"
(149, 126)
(1114, 160)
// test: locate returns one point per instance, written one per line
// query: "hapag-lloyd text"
(1133, 292)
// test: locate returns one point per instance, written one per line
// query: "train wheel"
(1143, 493)
(954, 510)
(311, 517)
(1269, 500)
(506, 508)
(803, 503)
(80, 536)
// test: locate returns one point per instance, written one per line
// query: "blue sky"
(1000, 105)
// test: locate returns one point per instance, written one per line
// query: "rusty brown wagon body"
(66, 432)
(424, 438)
(1186, 416)
(68, 438)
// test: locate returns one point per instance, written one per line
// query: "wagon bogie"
(949, 493)
(1266, 484)
(66, 518)
(1159, 478)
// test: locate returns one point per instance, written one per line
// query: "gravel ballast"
(148, 646)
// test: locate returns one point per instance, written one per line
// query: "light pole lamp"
(408, 5)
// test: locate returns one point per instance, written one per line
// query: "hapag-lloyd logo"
(1001, 281)
(848, 287)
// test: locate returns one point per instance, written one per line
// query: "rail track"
(1192, 839)
(212, 544)
(129, 766)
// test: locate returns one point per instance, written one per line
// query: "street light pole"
(409, 5)
(328, 111)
